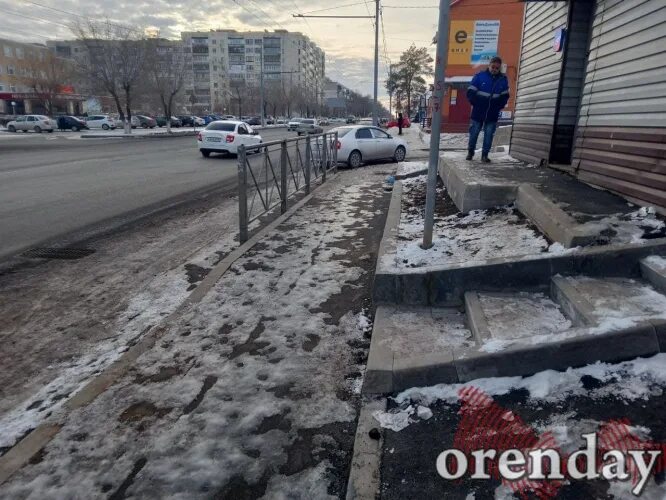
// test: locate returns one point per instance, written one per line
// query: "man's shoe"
(485, 159)
(469, 156)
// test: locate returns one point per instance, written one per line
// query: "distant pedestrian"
(400, 122)
(488, 93)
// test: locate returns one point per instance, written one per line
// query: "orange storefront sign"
(461, 39)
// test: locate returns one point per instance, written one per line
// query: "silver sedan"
(360, 143)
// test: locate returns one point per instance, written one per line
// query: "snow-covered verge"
(106, 303)
(634, 227)
(460, 239)
(411, 167)
(448, 140)
(251, 394)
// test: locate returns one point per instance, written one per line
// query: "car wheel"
(75, 128)
(355, 159)
(205, 153)
(143, 125)
(12, 128)
(50, 131)
(105, 127)
(37, 129)
(400, 154)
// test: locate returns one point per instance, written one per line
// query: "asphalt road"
(52, 185)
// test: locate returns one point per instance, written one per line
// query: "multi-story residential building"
(27, 79)
(226, 61)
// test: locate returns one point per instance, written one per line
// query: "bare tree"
(113, 61)
(46, 75)
(167, 70)
(238, 88)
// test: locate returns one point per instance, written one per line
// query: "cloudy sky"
(348, 43)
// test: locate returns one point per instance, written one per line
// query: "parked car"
(281, 121)
(143, 121)
(405, 123)
(225, 137)
(351, 119)
(360, 143)
(36, 123)
(227, 117)
(254, 121)
(213, 118)
(105, 122)
(383, 122)
(175, 122)
(71, 123)
(293, 124)
(186, 120)
(324, 122)
(309, 126)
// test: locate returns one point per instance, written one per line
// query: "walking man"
(400, 122)
(488, 93)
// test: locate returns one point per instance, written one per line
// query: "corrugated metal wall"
(538, 81)
(621, 136)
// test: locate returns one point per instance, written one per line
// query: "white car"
(360, 143)
(198, 121)
(309, 126)
(224, 136)
(293, 124)
(36, 123)
(105, 122)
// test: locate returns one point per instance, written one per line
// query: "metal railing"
(271, 173)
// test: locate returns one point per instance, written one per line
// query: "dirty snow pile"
(448, 140)
(253, 386)
(411, 167)
(634, 227)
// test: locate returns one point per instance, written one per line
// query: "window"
(20, 119)
(10, 70)
(363, 133)
(2, 87)
(32, 119)
(8, 51)
(12, 88)
(224, 127)
(242, 130)
(380, 134)
(19, 52)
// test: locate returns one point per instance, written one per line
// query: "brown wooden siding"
(621, 137)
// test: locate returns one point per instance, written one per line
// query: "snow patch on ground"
(631, 227)
(460, 239)
(410, 167)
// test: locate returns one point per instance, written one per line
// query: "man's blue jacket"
(488, 95)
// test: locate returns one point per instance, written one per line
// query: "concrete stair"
(584, 319)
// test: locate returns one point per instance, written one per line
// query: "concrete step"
(512, 316)
(413, 346)
(608, 302)
(653, 269)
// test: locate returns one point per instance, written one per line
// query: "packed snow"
(411, 167)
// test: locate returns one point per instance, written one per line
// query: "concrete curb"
(654, 275)
(476, 318)
(552, 220)
(142, 136)
(383, 289)
(576, 307)
(26, 448)
(446, 286)
(518, 359)
(364, 475)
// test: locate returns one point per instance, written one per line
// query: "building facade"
(479, 30)
(22, 90)
(591, 94)
(226, 61)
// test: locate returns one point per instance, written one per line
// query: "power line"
(48, 21)
(335, 8)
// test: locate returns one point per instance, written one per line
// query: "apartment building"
(224, 61)
(19, 65)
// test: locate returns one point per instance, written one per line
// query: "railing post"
(308, 163)
(242, 194)
(324, 157)
(283, 176)
(335, 152)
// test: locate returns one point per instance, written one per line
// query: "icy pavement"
(407, 168)
(460, 239)
(423, 422)
(254, 392)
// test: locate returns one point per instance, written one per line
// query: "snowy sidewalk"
(253, 392)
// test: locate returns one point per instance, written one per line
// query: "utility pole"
(375, 107)
(437, 98)
(261, 62)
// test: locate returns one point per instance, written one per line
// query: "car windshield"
(225, 127)
(343, 131)
(308, 122)
(297, 120)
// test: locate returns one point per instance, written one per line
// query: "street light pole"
(261, 67)
(437, 98)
